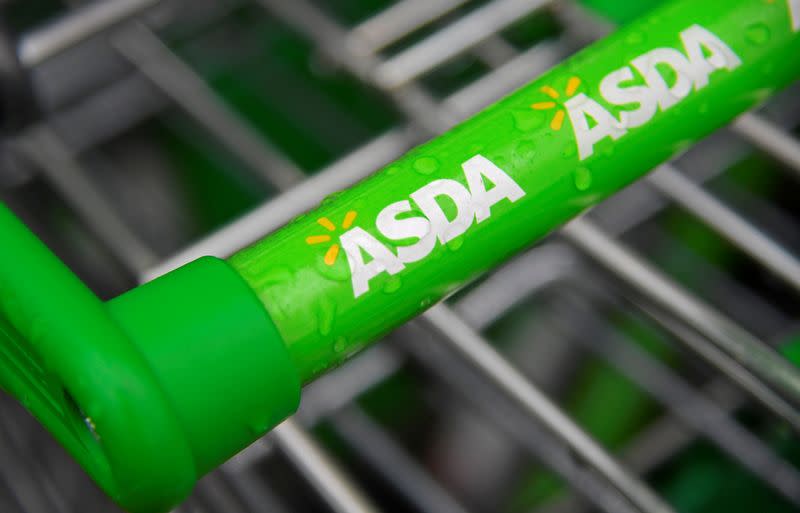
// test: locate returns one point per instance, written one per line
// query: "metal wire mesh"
(464, 408)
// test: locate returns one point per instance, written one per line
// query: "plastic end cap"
(216, 354)
(73, 368)
(124, 416)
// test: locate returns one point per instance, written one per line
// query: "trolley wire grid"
(631, 361)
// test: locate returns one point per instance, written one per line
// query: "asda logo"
(666, 76)
(419, 230)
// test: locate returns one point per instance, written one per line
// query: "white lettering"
(616, 93)
(411, 227)
(580, 109)
(396, 221)
(357, 241)
(697, 41)
(669, 76)
(427, 199)
(477, 170)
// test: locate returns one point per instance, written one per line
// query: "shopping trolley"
(233, 106)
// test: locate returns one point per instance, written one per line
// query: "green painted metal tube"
(375, 255)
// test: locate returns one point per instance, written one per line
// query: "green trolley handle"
(157, 387)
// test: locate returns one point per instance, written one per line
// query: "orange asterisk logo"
(333, 250)
(558, 118)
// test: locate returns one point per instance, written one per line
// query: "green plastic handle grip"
(160, 385)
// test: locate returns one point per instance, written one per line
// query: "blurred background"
(139, 133)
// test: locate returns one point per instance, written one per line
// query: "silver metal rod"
(728, 338)
(770, 138)
(397, 21)
(471, 346)
(727, 223)
(515, 73)
(29, 478)
(336, 389)
(65, 173)
(498, 409)
(659, 441)
(376, 446)
(216, 494)
(320, 470)
(188, 90)
(255, 492)
(45, 42)
(451, 41)
(696, 410)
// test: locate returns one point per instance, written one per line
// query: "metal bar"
(374, 445)
(494, 406)
(693, 408)
(53, 38)
(188, 90)
(770, 138)
(333, 391)
(471, 346)
(62, 169)
(254, 492)
(501, 80)
(451, 41)
(319, 469)
(727, 223)
(728, 339)
(397, 21)
(32, 488)
(662, 439)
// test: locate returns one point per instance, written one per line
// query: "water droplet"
(392, 170)
(259, 427)
(425, 303)
(392, 284)
(339, 271)
(499, 160)
(528, 120)
(326, 313)
(453, 234)
(757, 33)
(455, 244)
(426, 165)
(330, 198)
(320, 369)
(525, 151)
(340, 344)
(582, 178)
(635, 38)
